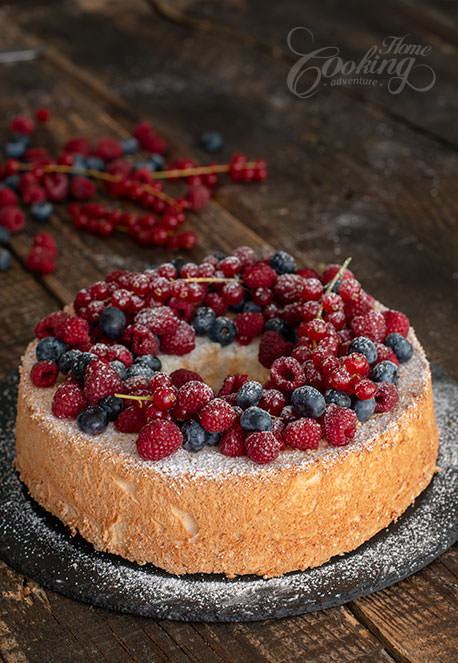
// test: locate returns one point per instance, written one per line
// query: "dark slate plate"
(38, 545)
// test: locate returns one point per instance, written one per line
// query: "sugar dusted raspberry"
(361, 305)
(272, 401)
(272, 346)
(44, 373)
(232, 441)
(136, 385)
(74, 331)
(384, 353)
(339, 425)
(292, 313)
(158, 439)
(141, 340)
(131, 419)
(100, 380)
(287, 374)
(249, 324)
(232, 384)
(121, 353)
(217, 416)
(180, 342)
(396, 322)
(259, 275)
(262, 447)
(288, 288)
(48, 325)
(312, 289)
(160, 380)
(371, 324)
(183, 375)
(68, 401)
(191, 397)
(246, 255)
(313, 375)
(303, 433)
(159, 320)
(386, 396)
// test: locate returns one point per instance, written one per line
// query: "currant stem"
(140, 399)
(331, 284)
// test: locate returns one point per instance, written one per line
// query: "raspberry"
(288, 288)
(81, 188)
(42, 114)
(108, 148)
(313, 376)
(56, 186)
(74, 331)
(262, 447)
(183, 375)
(303, 434)
(159, 439)
(259, 275)
(232, 384)
(371, 324)
(22, 125)
(361, 305)
(121, 353)
(68, 401)
(273, 346)
(217, 416)
(366, 389)
(232, 441)
(48, 325)
(191, 397)
(44, 373)
(288, 414)
(40, 261)
(180, 342)
(246, 256)
(7, 197)
(160, 380)
(78, 146)
(130, 420)
(141, 340)
(272, 401)
(312, 289)
(198, 196)
(396, 322)
(384, 353)
(386, 397)
(12, 218)
(339, 425)
(249, 324)
(278, 427)
(100, 380)
(45, 241)
(160, 320)
(332, 270)
(136, 385)
(287, 374)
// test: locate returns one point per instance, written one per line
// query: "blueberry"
(157, 161)
(308, 402)
(336, 286)
(365, 347)
(339, 398)
(211, 141)
(95, 163)
(5, 236)
(203, 320)
(112, 406)
(223, 331)
(238, 308)
(255, 418)
(79, 161)
(13, 181)
(119, 367)
(80, 363)
(140, 165)
(212, 439)
(219, 255)
(41, 211)
(140, 370)
(153, 362)
(66, 360)
(249, 394)
(129, 145)
(282, 262)
(92, 420)
(20, 138)
(112, 322)
(251, 307)
(282, 327)
(363, 409)
(14, 150)
(401, 347)
(194, 435)
(5, 260)
(50, 349)
(178, 264)
(385, 371)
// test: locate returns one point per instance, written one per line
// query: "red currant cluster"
(39, 180)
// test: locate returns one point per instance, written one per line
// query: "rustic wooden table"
(353, 171)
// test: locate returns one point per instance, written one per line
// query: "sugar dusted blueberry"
(50, 348)
(92, 420)
(401, 347)
(282, 262)
(364, 346)
(250, 393)
(223, 331)
(308, 402)
(385, 371)
(112, 322)
(256, 419)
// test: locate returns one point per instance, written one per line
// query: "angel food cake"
(238, 416)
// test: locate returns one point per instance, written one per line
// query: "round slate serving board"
(38, 545)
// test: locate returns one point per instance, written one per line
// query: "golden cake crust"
(205, 512)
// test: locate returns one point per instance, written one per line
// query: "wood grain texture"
(348, 176)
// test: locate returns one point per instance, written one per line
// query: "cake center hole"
(214, 362)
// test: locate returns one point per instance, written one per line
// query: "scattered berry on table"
(211, 141)
(42, 210)
(5, 259)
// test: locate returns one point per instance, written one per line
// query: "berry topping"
(272, 401)
(131, 419)
(74, 331)
(255, 418)
(371, 324)
(364, 409)
(68, 401)
(191, 397)
(112, 322)
(308, 402)
(287, 374)
(386, 397)
(232, 441)
(396, 322)
(183, 375)
(339, 398)
(194, 436)
(50, 349)
(159, 439)
(100, 380)
(180, 342)
(92, 420)
(282, 262)
(302, 434)
(259, 275)
(401, 347)
(44, 373)
(113, 406)
(262, 447)
(217, 416)
(364, 346)
(250, 393)
(203, 320)
(339, 425)
(385, 371)
(271, 347)
(223, 331)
